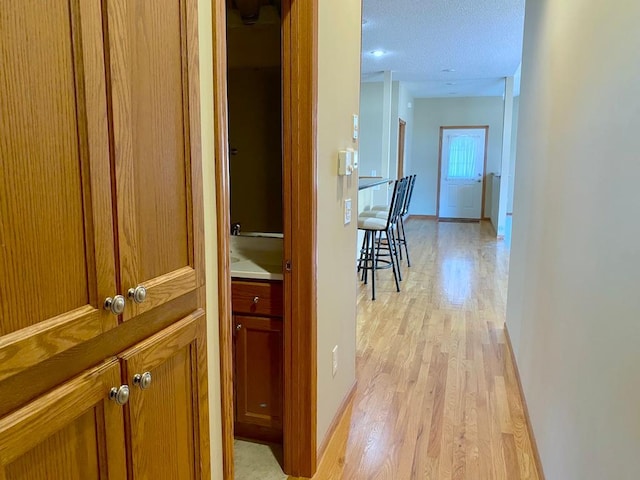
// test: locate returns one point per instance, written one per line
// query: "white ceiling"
(481, 40)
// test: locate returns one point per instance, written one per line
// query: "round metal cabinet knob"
(239, 326)
(256, 299)
(120, 394)
(115, 305)
(143, 381)
(138, 294)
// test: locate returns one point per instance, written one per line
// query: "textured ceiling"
(481, 40)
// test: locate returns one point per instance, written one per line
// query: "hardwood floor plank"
(437, 394)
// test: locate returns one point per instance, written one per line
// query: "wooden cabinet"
(100, 167)
(57, 260)
(258, 359)
(74, 432)
(77, 431)
(100, 195)
(153, 54)
(167, 421)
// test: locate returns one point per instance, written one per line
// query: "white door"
(462, 172)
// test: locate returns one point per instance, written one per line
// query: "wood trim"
(223, 223)
(99, 147)
(257, 434)
(439, 174)
(484, 168)
(532, 438)
(421, 217)
(194, 155)
(402, 125)
(459, 220)
(336, 420)
(299, 30)
(31, 345)
(202, 381)
(299, 60)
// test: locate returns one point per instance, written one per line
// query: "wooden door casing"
(167, 424)
(75, 432)
(259, 371)
(154, 97)
(56, 231)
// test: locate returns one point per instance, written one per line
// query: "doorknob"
(478, 181)
(142, 380)
(120, 394)
(138, 294)
(115, 305)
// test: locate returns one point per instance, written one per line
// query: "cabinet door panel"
(258, 375)
(153, 62)
(171, 415)
(56, 234)
(72, 433)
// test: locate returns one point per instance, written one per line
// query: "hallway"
(437, 396)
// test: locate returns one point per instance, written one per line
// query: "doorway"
(299, 102)
(462, 167)
(402, 127)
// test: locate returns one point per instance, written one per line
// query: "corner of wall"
(339, 29)
(205, 31)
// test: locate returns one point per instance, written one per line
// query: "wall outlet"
(347, 211)
(334, 357)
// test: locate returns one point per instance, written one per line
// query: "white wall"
(405, 113)
(370, 128)
(371, 112)
(432, 113)
(211, 247)
(574, 308)
(338, 98)
(512, 158)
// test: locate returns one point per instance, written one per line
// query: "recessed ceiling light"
(449, 70)
(378, 53)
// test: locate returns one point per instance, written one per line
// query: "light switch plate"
(356, 127)
(347, 211)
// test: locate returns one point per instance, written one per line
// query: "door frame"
(484, 167)
(402, 131)
(299, 60)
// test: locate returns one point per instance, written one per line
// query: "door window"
(462, 157)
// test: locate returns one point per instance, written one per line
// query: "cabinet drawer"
(259, 298)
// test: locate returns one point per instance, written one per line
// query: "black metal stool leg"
(365, 269)
(374, 265)
(394, 250)
(394, 260)
(404, 241)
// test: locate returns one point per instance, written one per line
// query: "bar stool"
(402, 237)
(380, 211)
(375, 227)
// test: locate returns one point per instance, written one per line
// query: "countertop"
(256, 257)
(368, 182)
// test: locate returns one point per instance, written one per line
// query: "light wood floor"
(437, 395)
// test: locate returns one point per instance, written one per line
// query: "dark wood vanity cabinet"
(258, 359)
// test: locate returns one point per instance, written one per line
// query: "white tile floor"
(254, 461)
